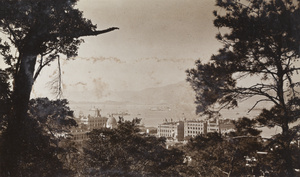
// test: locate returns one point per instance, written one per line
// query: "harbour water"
(151, 115)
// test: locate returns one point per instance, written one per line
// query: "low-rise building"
(213, 126)
(193, 128)
(173, 130)
(79, 136)
(93, 122)
(88, 123)
(111, 122)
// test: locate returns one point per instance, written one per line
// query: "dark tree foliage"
(262, 43)
(5, 99)
(55, 116)
(203, 150)
(47, 121)
(274, 161)
(217, 155)
(126, 152)
(245, 127)
(37, 32)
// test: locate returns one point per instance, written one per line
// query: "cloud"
(114, 59)
(79, 83)
(173, 60)
(100, 59)
(78, 87)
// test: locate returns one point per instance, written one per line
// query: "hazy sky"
(157, 41)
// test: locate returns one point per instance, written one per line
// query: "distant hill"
(177, 99)
(178, 96)
(179, 93)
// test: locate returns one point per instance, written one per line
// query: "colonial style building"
(78, 136)
(172, 130)
(111, 122)
(93, 122)
(213, 126)
(190, 128)
(193, 128)
(87, 124)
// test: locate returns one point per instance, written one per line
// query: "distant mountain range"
(177, 96)
(179, 93)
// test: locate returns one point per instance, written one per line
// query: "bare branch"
(42, 65)
(56, 84)
(59, 93)
(257, 103)
(93, 33)
(226, 173)
(252, 92)
(102, 31)
(14, 40)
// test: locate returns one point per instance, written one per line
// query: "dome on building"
(111, 122)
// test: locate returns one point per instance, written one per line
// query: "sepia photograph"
(140, 88)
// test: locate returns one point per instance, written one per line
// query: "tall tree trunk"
(16, 135)
(23, 86)
(289, 161)
(287, 156)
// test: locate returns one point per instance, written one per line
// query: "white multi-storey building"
(94, 122)
(174, 130)
(193, 128)
(213, 126)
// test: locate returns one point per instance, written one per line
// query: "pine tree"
(261, 44)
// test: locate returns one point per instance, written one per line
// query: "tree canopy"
(36, 33)
(263, 41)
(259, 58)
(124, 151)
(214, 154)
(48, 121)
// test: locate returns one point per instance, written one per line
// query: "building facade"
(172, 130)
(111, 122)
(79, 136)
(193, 128)
(213, 126)
(87, 124)
(93, 122)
